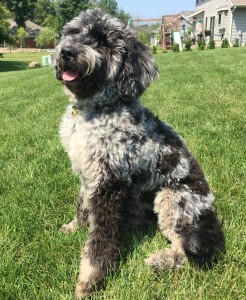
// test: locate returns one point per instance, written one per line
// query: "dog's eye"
(100, 38)
(72, 31)
(102, 43)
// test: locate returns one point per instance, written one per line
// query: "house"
(175, 22)
(32, 30)
(220, 19)
(155, 37)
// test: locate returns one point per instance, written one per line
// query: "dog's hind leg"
(167, 208)
(188, 220)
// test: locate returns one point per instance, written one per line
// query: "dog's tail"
(204, 241)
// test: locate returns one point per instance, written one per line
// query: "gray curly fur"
(129, 162)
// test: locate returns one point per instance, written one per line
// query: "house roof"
(169, 19)
(196, 13)
(156, 31)
(238, 2)
(29, 24)
(186, 13)
(224, 7)
(31, 28)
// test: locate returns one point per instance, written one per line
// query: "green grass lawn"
(202, 94)
(19, 61)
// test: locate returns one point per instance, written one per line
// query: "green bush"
(175, 47)
(46, 36)
(211, 44)
(188, 45)
(236, 43)
(201, 44)
(164, 50)
(154, 50)
(225, 43)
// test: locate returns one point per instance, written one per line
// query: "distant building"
(32, 30)
(175, 23)
(155, 37)
(220, 19)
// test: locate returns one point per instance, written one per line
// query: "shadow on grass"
(134, 237)
(8, 66)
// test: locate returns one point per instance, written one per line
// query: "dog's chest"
(94, 144)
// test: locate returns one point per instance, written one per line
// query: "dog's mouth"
(70, 75)
(70, 71)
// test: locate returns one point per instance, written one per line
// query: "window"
(219, 20)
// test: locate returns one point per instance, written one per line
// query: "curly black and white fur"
(129, 162)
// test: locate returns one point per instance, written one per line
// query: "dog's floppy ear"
(138, 70)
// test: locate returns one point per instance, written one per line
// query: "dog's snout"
(68, 53)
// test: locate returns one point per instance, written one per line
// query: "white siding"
(239, 23)
(211, 6)
(222, 30)
(211, 10)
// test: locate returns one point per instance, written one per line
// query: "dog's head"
(97, 50)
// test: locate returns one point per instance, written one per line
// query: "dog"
(129, 162)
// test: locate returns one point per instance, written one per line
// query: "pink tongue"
(69, 75)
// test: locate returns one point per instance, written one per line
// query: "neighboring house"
(32, 30)
(220, 19)
(155, 37)
(176, 22)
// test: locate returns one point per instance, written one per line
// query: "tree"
(68, 9)
(144, 37)
(22, 10)
(43, 9)
(21, 33)
(4, 24)
(46, 37)
(52, 22)
(111, 7)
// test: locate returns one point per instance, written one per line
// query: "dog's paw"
(83, 290)
(70, 227)
(90, 278)
(165, 259)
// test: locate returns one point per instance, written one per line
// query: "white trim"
(230, 27)
(196, 13)
(186, 19)
(222, 9)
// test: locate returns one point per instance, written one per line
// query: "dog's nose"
(68, 53)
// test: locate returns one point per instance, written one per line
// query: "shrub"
(175, 47)
(46, 36)
(236, 43)
(154, 50)
(21, 33)
(225, 43)
(164, 50)
(188, 45)
(201, 44)
(211, 44)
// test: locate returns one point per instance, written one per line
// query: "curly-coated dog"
(129, 162)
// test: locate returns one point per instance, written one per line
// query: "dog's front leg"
(101, 252)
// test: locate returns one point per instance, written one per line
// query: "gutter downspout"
(230, 27)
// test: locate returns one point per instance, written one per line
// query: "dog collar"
(75, 110)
